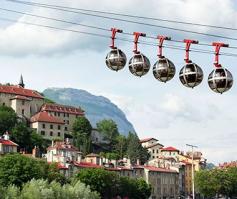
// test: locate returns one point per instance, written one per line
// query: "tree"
(82, 134)
(134, 188)
(104, 182)
(8, 119)
(121, 146)
(135, 151)
(217, 181)
(26, 137)
(17, 169)
(109, 130)
(36, 189)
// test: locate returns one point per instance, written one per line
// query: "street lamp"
(193, 186)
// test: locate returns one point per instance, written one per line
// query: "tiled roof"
(62, 109)
(63, 145)
(147, 140)
(152, 168)
(21, 98)
(18, 90)
(8, 142)
(170, 148)
(45, 117)
(155, 144)
(87, 165)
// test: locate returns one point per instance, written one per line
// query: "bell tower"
(21, 83)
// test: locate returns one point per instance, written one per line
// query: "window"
(153, 151)
(59, 134)
(59, 127)
(51, 133)
(58, 114)
(55, 114)
(153, 157)
(64, 114)
(23, 102)
(22, 111)
(43, 126)
(68, 122)
(3, 103)
(65, 128)
(42, 132)
(157, 151)
(51, 126)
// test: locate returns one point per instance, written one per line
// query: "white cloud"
(25, 40)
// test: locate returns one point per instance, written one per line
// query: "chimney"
(6, 136)
(138, 162)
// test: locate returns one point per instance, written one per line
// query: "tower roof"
(21, 82)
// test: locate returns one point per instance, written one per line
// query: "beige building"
(153, 147)
(48, 126)
(67, 114)
(164, 182)
(51, 121)
(23, 101)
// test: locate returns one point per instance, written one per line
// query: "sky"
(170, 112)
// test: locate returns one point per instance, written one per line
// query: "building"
(23, 101)
(64, 154)
(153, 147)
(170, 152)
(164, 182)
(6, 145)
(48, 126)
(228, 165)
(52, 121)
(67, 114)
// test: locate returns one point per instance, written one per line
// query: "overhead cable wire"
(134, 16)
(107, 37)
(119, 19)
(83, 25)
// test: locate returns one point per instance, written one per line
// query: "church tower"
(21, 83)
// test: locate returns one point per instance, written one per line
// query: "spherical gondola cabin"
(220, 80)
(191, 75)
(164, 69)
(139, 64)
(116, 59)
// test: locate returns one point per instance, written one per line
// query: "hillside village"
(168, 169)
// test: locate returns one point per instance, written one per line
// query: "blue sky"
(170, 112)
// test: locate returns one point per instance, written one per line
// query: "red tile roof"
(63, 145)
(8, 142)
(170, 148)
(147, 140)
(152, 168)
(17, 90)
(21, 98)
(45, 117)
(87, 165)
(62, 109)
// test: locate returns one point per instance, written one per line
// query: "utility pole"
(193, 186)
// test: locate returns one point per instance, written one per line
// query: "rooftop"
(63, 146)
(147, 140)
(87, 165)
(62, 109)
(152, 168)
(7, 142)
(45, 117)
(18, 90)
(170, 148)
